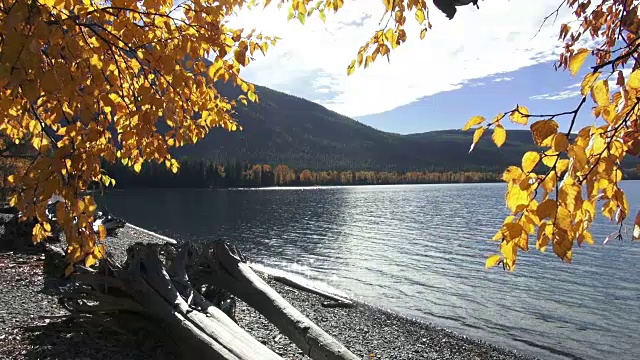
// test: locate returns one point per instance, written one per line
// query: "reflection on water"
(420, 250)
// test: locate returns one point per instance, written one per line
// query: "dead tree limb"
(340, 302)
(164, 284)
(228, 268)
(145, 286)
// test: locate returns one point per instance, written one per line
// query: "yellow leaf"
(543, 132)
(137, 166)
(545, 231)
(476, 120)
(509, 252)
(562, 165)
(577, 60)
(420, 16)
(102, 232)
(516, 199)
(577, 153)
(529, 161)
(562, 245)
(634, 80)
(520, 115)
(68, 270)
(587, 237)
(513, 173)
(252, 96)
(546, 209)
(478, 134)
(570, 194)
(90, 260)
(560, 142)
(351, 68)
(499, 135)
(563, 218)
(423, 33)
(600, 92)
(492, 261)
(587, 82)
(511, 231)
(549, 160)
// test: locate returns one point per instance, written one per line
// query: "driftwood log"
(174, 285)
(338, 301)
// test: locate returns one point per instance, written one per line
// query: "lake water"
(420, 251)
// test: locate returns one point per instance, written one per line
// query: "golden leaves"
(520, 115)
(517, 198)
(579, 156)
(600, 92)
(351, 68)
(102, 232)
(529, 161)
(476, 137)
(492, 261)
(473, 121)
(634, 80)
(546, 209)
(577, 60)
(420, 17)
(509, 252)
(586, 169)
(499, 135)
(560, 143)
(93, 90)
(513, 173)
(543, 131)
(587, 82)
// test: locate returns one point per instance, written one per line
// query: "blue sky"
(480, 63)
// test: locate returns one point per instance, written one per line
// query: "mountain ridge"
(286, 129)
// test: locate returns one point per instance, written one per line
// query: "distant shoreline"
(302, 186)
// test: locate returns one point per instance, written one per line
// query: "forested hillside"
(284, 129)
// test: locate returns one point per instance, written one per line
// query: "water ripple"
(420, 250)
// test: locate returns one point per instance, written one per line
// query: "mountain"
(284, 129)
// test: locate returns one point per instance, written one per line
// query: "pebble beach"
(34, 326)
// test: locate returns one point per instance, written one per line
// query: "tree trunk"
(229, 269)
(203, 331)
(170, 294)
(339, 301)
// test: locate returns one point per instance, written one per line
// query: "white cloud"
(506, 78)
(560, 95)
(311, 60)
(569, 93)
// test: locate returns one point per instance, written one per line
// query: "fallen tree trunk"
(339, 301)
(228, 268)
(172, 293)
(144, 286)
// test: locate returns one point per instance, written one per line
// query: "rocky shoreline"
(34, 326)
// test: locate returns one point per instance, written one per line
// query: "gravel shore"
(34, 326)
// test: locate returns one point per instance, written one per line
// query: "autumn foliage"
(87, 82)
(582, 171)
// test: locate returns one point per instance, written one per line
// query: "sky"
(482, 62)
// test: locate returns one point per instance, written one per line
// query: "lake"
(420, 251)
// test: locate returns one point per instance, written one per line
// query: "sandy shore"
(33, 326)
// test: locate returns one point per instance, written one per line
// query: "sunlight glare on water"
(420, 250)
